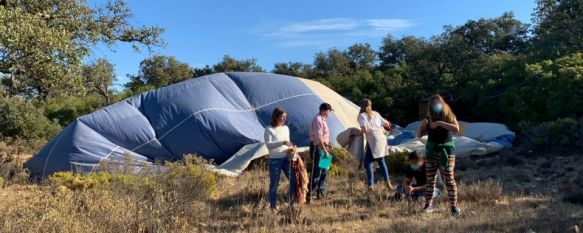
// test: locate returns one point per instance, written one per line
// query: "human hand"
(408, 189)
(435, 124)
(287, 143)
(425, 121)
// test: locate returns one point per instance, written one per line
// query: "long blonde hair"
(366, 106)
(446, 115)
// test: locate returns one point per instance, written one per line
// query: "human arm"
(321, 141)
(407, 185)
(454, 126)
(420, 188)
(362, 123)
(422, 128)
(271, 142)
(387, 125)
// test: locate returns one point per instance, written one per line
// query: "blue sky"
(202, 32)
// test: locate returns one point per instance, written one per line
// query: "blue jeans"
(417, 195)
(317, 175)
(368, 160)
(276, 166)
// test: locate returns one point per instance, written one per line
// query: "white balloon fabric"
(473, 139)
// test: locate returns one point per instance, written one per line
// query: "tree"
(395, 52)
(361, 56)
(99, 76)
(488, 36)
(229, 64)
(43, 42)
(333, 61)
(159, 71)
(424, 61)
(202, 71)
(297, 69)
(558, 30)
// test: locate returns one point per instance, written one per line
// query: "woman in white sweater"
(278, 142)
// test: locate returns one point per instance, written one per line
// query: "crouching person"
(278, 142)
(417, 171)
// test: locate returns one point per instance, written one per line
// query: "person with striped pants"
(440, 124)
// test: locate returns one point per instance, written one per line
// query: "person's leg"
(368, 167)
(400, 189)
(417, 195)
(431, 166)
(400, 192)
(384, 168)
(315, 171)
(323, 182)
(447, 175)
(274, 174)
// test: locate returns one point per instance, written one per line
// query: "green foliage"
(21, 118)
(488, 69)
(191, 179)
(160, 71)
(296, 69)
(549, 90)
(187, 179)
(229, 64)
(397, 162)
(341, 162)
(99, 76)
(79, 182)
(44, 41)
(558, 30)
(561, 133)
(66, 109)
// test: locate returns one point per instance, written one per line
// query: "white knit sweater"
(274, 138)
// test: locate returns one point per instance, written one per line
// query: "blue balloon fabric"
(212, 116)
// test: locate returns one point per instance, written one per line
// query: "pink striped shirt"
(319, 131)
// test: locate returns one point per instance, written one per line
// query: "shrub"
(65, 109)
(21, 118)
(77, 181)
(565, 132)
(397, 162)
(11, 169)
(190, 179)
(341, 162)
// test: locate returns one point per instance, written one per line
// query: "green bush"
(21, 118)
(561, 133)
(189, 179)
(65, 109)
(79, 182)
(397, 162)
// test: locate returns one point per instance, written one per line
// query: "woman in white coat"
(372, 125)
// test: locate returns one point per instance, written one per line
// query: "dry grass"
(187, 198)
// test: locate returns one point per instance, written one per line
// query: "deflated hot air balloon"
(220, 117)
